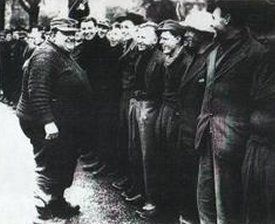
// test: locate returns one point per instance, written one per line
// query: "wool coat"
(227, 102)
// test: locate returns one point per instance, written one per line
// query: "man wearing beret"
(53, 97)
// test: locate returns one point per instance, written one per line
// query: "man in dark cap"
(103, 27)
(172, 43)
(54, 94)
(128, 27)
(144, 104)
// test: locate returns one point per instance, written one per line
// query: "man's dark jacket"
(190, 94)
(148, 71)
(227, 100)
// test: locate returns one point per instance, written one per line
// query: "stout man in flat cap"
(51, 103)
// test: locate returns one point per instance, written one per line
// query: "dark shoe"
(187, 220)
(88, 158)
(112, 173)
(63, 209)
(100, 171)
(133, 197)
(91, 167)
(148, 214)
(43, 211)
(121, 184)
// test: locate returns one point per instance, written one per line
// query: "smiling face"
(88, 30)
(65, 40)
(114, 36)
(9, 37)
(78, 37)
(102, 31)
(128, 30)
(169, 42)
(146, 38)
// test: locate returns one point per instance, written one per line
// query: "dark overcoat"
(226, 106)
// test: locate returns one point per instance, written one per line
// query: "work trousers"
(219, 192)
(55, 160)
(105, 123)
(142, 147)
(122, 149)
(167, 137)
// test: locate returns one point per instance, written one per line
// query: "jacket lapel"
(191, 72)
(230, 58)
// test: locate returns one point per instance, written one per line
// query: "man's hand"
(51, 131)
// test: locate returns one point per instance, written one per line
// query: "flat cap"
(137, 19)
(171, 25)
(202, 21)
(148, 24)
(104, 22)
(64, 24)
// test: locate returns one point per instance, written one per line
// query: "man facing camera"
(50, 107)
(144, 105)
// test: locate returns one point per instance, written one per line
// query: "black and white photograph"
(137, 111)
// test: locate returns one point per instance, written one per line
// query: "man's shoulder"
(47, 51)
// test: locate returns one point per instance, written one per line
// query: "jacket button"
(177, 114)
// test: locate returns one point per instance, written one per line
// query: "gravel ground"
(100, 204)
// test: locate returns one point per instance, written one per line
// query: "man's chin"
(166, 52)
(113, 44)
(89, 37)
(141, 48)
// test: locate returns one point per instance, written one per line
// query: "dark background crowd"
(153, 118)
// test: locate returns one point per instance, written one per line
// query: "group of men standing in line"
(183, 112)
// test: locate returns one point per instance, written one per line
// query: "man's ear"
(179, 38)
(227, 18)
(217, 13)
(155, 41)
(217, 16)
